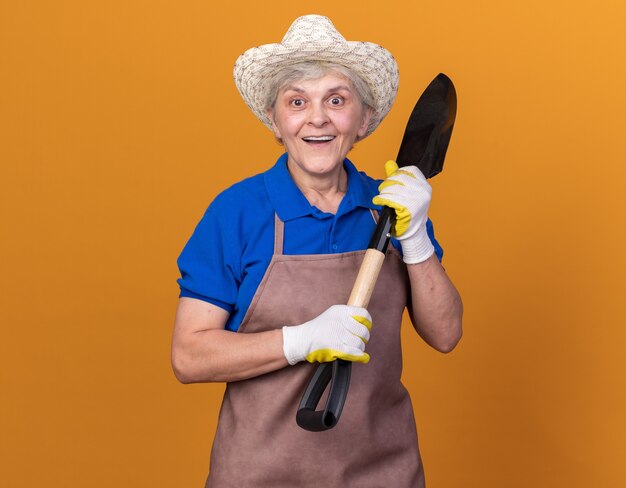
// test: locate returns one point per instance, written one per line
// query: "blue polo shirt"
(225, 259)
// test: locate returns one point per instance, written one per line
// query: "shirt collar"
(290, 203)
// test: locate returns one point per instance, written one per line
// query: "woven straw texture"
(314, 37)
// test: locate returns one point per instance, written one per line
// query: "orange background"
(119, 124)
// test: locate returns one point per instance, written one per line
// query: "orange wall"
(119, 122)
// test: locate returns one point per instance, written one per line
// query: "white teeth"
(320, 138)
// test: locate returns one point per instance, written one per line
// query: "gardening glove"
(340, 332)
(408, 193)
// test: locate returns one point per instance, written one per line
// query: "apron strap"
(279, 235)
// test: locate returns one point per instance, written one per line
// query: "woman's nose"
(317, 115)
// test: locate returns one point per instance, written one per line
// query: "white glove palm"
(408, 193)
(340, 332)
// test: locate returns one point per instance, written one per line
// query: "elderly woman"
(266, 272)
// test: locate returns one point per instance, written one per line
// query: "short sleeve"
(207, 264)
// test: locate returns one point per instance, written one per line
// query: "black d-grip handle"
(338, 374)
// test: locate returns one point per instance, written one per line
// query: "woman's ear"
(270, 114)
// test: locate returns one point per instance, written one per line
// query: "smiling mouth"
(318, 139)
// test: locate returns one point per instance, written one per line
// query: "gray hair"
(312, 70)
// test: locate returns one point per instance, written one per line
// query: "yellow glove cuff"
(328, 355)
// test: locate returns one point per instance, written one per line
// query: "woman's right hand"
(340, 332)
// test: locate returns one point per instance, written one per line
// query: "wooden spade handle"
(366, 279)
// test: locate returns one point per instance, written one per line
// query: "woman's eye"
(336, 101)
(298, 102)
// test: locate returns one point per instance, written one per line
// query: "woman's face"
(318, 122)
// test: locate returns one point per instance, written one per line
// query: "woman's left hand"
(408, 193)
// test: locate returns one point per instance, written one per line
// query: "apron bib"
(258, 443)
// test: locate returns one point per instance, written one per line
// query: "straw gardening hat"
(314, 37)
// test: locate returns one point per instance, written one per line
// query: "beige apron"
(258, 443)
